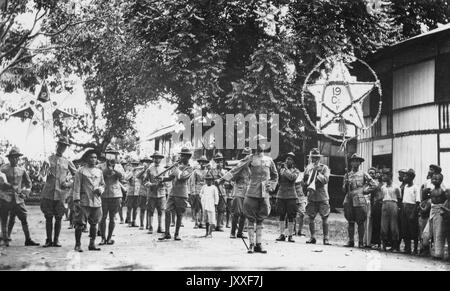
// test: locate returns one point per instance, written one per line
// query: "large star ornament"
(339, 97)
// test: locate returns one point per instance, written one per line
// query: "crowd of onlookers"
(416, 215)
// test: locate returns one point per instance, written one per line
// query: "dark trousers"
(410, 226)
(11, 210)
(376, 222)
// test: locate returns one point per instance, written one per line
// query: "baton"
(244, 243)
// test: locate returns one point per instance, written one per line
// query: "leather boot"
(326, 242)
(57, 232)
(282, 237)
(49, 231)
(28, 241)
(207, 230)
(291, 231)
(300, 226)
(351, 235)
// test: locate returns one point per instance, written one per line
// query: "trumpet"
(167, 170)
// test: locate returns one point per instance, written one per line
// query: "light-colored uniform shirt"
(58, 178)
(263, 173)
(157, 190)
(87, 180)
(20, 182)
(411, 195)
(209, 196)
(287, 183)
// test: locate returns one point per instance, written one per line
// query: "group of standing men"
(385, 213)
(388, 213)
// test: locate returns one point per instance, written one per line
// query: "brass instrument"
(167, 170)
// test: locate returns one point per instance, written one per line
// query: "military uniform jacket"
(263, 172)
(20, 182)
(241, 178)
(157, 190)
(323, 176)
(359, 184)
(287, 181)
(59, 173)
(87, 180)
(180, 176)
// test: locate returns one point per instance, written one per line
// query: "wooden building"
(414, 128)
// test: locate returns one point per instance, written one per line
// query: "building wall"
(416, 152)
(419, 118)
(414, 84)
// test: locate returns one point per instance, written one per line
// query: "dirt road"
(137, 250)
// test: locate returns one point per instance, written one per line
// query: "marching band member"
(111, 198)
(217, 173)
(241, 180)
(132, 193)
(263, 178)
(287, 197)
(54, 193)
(142, 176)
(198, 180)
(317, 175)
(177, 201)
(157, 192)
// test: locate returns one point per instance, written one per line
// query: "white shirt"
(209, 196)
(391, 193)
(411, 195)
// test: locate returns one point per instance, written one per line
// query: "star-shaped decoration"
(42, 110)
(340, 97)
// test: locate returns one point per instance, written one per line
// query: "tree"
(108, 61)
(22, 40)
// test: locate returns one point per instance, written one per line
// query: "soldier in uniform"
(376, 202)
(287, 197)
(111, 199)
(143, 190)
(318, 200)
(88, 188)
(241, 180)
(198, 180)
(53, 195)
(13, 191)
(177, 201)
(263, 179)
(157, 190)
(355, 203)
(217, 173)
(132, 194)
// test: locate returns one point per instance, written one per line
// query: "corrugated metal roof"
(160, 132)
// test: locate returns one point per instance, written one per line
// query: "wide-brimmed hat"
(436, 168)
(209, 177)
(87, 153)
(203, 159)
(63, 140)
(372, 169)
(146, 159)
(185, 151)
(290, 154)
(315, 153)
(218, 156)
(357, 158)
(247, 151)
(157, 155)
(14, 152)
(134, 162)
(402, 171)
